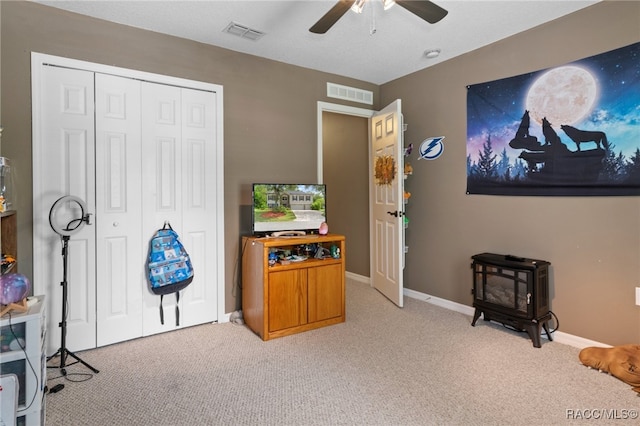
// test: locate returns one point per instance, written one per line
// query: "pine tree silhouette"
(503, 166)
(633, 168)
(487, 167)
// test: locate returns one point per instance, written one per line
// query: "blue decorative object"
(13, 288)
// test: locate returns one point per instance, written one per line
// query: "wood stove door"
(505, 290)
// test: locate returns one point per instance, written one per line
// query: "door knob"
(396, 213)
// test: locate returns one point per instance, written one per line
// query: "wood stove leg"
(533, 330)
(476, 315)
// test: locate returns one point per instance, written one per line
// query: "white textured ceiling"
(349, 48)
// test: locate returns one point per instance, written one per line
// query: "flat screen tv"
(279, 208)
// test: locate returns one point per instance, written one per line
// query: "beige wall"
(346, 173)
(270, 114)
(593, 243)
(270, 108)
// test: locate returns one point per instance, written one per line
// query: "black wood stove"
(513, 291)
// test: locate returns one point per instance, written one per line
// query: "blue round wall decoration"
(432, 148)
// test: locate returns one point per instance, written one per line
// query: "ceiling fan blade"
(331, 17)
(426, 10)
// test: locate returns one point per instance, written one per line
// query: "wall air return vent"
(243, 31)
(349, 93)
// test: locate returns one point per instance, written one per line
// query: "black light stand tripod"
(66, 232)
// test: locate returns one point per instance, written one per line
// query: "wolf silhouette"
(579, 136)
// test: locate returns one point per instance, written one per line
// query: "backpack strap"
(177, 309)
(161, 310)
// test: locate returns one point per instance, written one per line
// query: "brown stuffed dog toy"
(622, 362)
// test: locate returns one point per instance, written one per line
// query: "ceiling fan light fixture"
(388, 4)
(432, 53)
(424, 9)
(358, 5)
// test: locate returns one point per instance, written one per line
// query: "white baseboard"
(558, 336)
(356, 277)
(576, 341)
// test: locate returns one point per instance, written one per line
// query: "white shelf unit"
(22, 352)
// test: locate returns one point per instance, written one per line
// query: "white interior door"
(120, 250)
(63, 164)
(387, 207)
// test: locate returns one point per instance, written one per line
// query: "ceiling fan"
(424, 9)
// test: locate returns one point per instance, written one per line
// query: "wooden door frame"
(338, 109)
(346, 110)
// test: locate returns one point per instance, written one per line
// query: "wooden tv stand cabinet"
(285, 299)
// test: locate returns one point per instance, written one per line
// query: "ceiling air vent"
(243, 31)
(349, 93)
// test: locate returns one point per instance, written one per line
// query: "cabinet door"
(287, 299)
(325, 292)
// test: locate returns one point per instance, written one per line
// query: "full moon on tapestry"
(569, 130)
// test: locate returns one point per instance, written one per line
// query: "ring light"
(65, 230)
(74, 224)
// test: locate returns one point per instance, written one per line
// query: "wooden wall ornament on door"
(385, 169)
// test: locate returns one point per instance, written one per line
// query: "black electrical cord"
(551, 331)
(26, 357)
(556, 320)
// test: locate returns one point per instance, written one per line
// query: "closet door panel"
(63, 164)
(165, 173)
(199, 204)
(120, 249)
(162, 185)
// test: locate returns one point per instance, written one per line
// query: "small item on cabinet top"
(13, 288)
(7, 185)
(8, 262)
(324, 229)
(273, 258)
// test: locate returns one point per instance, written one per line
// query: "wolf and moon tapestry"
(572, 130)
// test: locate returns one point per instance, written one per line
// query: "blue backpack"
(169, 266)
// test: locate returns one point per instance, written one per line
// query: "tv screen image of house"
(288, 207)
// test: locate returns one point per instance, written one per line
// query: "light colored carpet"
(419, 365)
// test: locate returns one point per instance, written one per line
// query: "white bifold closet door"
(139, 154)
(120, 247)
(179, 177)
(64, 164)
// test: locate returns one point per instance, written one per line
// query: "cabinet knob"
(115, 224)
